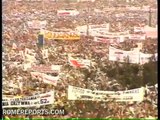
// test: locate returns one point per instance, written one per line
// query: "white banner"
(95, 33)
(67, 12)
(151, 32)
(50, 79)
(28, 101)
(47, 68)
(100, 27)
(76, 93)
(109, 40)
(117, 33)
(131, 56)
(45, 78)
(145, 58)
(94, 30)
(111, 35)
(101, 40)
(137, 36)
(117, 54)
(36, 24)
(138, 29)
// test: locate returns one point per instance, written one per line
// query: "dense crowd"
(17, 82)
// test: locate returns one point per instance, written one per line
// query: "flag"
(75, 63)
(102, 40)
(50, 79)
(138, 29)
(30, 58)
(14, 46)
(40, 39)
(29, 55)
(26, 66)
(151, 32)
(140, 45)
(156, 56)
(56, 68)
(36, 75)
(45, 78)
(22, 54)
(28, 51)
(45, 53)
(79, 63)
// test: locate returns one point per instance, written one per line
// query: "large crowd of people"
(18, 82)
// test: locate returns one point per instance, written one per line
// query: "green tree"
(150, 73)
(126, 74)
(133, 75)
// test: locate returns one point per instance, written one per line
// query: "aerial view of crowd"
(92, 58)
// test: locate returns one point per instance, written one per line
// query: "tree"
(133, 75)
(150, 73)
(126, 74)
